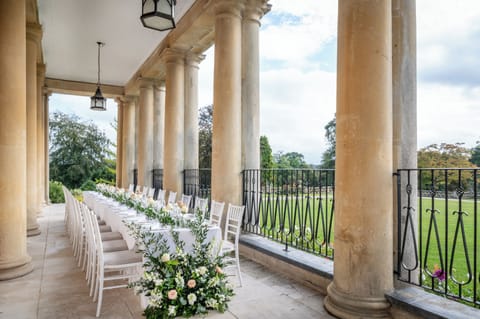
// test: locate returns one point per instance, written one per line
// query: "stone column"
(40, 135)
(128, 154)
(33, 35)
(191, 110)
(14, 260)
(227, 115)
(46, 95)
(120, 132)
(173, 158)
(363, 213)
(254, 10)
(158, 125)
(404, 50)
(145, 133)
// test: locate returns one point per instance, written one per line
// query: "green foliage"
(79, 151)
(56, 192)
(475, 159)
(445, 156)
(266, 157)
(290, 160)
(328, 157)
(88, 186)
(205, 136)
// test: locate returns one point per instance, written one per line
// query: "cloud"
(448, 114)
(295, 107)
(448, 40)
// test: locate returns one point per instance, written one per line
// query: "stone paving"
(57, 287)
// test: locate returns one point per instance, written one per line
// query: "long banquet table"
(115, 215)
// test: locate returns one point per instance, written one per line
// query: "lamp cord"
(100, 44)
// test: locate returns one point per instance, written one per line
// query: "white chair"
(108, 246)
(151, 192)
(161, 195)
(131, 187)
(216, 213)
(186, 199)
(145, 190)
(200, 205)
(172, 197)
(229, 244)
(116, 265)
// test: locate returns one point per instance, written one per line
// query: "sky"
(298, 76)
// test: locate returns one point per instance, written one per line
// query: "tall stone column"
(404, 50)
(254, 10)
(14, 260)
(120, 132)
(40, 135)
(158, 125)
(227, 114)
(363, 213)
(128, 154)
(46, 95)
(191, 110)
(173, 158)
(33, 35)
(145, 133)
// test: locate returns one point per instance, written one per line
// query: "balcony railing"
(438, 240)
(294, 207)
(197, 182)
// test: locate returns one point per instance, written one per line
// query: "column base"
(15, 270)
(33, 230)
(347, 306)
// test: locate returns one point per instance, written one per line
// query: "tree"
(266, 157)
(475, 159)
(328, 157)
(205, 126)
(79, 151)
(445, 156)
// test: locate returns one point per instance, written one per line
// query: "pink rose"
(172, 294)
(191, 283)
(218, 270)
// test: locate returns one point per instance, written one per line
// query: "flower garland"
(176, 284)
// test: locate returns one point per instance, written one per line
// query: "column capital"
(146, 83)
(171, 55)
(193, 59)
(255, 10)
(160, 85)
(34, 32)
(228, 7)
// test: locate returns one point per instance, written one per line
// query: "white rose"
(165, 257)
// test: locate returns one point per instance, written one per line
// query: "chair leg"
(100, 296)
(238, 268)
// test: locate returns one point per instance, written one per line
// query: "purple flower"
(439, 274)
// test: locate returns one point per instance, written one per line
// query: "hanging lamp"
(98, 102)
(158, 14)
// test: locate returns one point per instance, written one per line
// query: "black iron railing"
(294, 207)
(197, 182)
(157, 178)
(438, 240)
(135, 178)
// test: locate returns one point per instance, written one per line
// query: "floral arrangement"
(181, 284)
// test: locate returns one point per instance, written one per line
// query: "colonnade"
(165, 111)
(23, 137)
(157, 130)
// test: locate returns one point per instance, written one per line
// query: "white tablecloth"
(114, 215)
